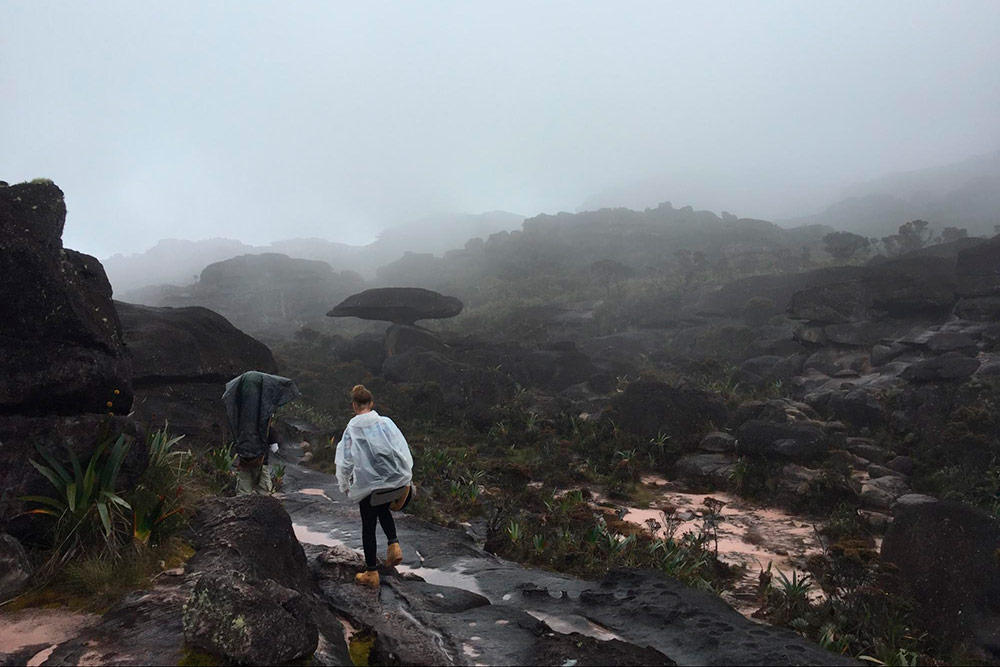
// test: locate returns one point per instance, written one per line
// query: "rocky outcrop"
(61, 346)
(401, 305)
(946, 555)
(255, 601)
(63, 365)
(269, 294)
(188, 344)
(182, 358)
(979, 282)
(400, 338)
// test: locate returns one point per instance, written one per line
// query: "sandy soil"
(30, 627)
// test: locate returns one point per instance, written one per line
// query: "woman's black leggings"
(369, 517)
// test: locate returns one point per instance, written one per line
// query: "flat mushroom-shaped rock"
(401, 305)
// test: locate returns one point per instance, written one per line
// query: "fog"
(266, 121)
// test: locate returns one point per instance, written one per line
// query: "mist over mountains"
(179, 262)
(965, 194)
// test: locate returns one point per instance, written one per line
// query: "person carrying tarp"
(250, 400)
(374, 469)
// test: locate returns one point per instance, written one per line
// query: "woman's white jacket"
(372, 455)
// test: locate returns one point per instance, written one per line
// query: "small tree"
(843, 245)
(912, 235)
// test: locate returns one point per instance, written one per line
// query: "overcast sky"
(267, 120)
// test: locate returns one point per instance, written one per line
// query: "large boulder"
(949, 366)
(401, 305)
(912, 286)
(182, 358)
(255, 601)
(367, 348)
(269, 294)
(882, 492)
(249, 622)
(23, 437)
(946, 555)
(797, 441)
(188, 344)
(61, 345)
(831, 303)
(649, 408)
(402, 337)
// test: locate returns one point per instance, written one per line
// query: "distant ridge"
(962, 194)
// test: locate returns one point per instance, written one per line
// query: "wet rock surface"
(472, 607)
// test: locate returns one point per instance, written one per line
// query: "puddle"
(447, 578)
(40, 657)
(748, 536)
(307, 536)
(573, 623)
(41, 626)
(314, 492)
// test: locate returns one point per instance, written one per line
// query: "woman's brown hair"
(360, 395)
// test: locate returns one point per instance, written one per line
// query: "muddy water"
(748, 536)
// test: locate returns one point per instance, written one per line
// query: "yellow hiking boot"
(393, 555)
(370, 578)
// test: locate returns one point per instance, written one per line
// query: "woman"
(373, 457)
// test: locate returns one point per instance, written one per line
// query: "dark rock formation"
(61, 347)
(255, 601)
(182, 358)
(189, 344)
(832, 303)
(269, 294)
(947, 559)
(950, 366)
(249, 622)
(798, 441)
(252, 536)
(401, 305)
(20, 439)
(369, 349)
(400, 338)
(979, 282)
(15, 568)
(912, 286)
